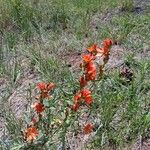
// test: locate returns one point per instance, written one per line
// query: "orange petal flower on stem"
(88, 128)
(42, 86)
(31, 134)
(77, 97)
(85, 92)
(107, 43)
(88, 57)
(103, 51)
(92, 48)
(90, 67)
(90, 72)
(88, 99)
(39, 107)
(45, 86)
(90, 75)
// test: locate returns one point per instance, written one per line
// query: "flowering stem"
(64, 134)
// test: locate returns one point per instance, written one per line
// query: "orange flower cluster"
(45, 89)
(101, 53)
(83, 96)
(89, 74)
(89, 69)
(44, 93)
(31, 132)
(104, 51)
(39, 107)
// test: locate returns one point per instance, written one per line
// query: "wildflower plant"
(88, 110)
(52, 117)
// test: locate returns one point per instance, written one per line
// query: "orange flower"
(90, 67)
(88, 99)
(90, 71)
(31, 133)
(90, 75)
(77, 97)
(87, 58)
(107, 43)
(88, 128)
(92, 48)
(42, 86)
(103, 52)
(39, 107)
(83, 82)
(85, 92)
(45, 88)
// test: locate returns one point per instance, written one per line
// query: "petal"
(50, 86)
(85, 92)
(88, 100)
(41, 86)
(87, 58)
(92, 48)
(88, 128)
(107, 43)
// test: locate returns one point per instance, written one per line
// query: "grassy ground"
(43, 40)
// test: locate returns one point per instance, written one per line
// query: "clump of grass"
(127, 5)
